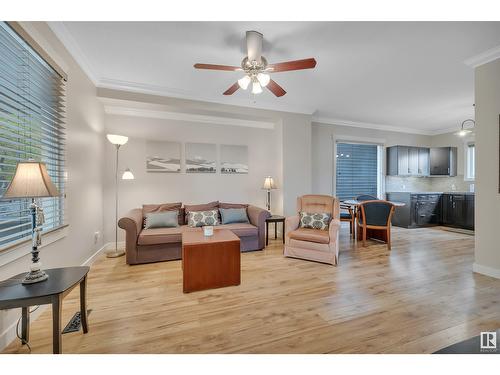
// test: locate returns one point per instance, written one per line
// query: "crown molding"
(65, 37)
(484, 57)
(191, 117)
(382, 127)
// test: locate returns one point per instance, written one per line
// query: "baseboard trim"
(485, 270)
(9, 334)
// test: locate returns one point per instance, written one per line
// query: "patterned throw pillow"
(202, 218)
(315, 220)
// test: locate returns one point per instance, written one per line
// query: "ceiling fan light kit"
(257, 69)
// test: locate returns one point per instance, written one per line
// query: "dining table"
(353, 204)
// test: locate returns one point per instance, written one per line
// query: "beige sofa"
(161, 244)
(314, 244)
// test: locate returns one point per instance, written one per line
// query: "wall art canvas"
(163, 157)
(234, 159)
(201, 158)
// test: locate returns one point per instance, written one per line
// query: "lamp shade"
(117, 139)
(31, 180)
(127, 175)
(269, 183)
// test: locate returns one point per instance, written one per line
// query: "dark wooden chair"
(374, 220)
(366, 197)
(350, 217)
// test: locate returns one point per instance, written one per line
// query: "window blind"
(356, 170)
(32, 109)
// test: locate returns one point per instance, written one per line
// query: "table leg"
(56, 323)
(83, 304)
(267, 233)
(25, 325)
(275, 229)
(283, 231)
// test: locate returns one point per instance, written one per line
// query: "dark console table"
(61, 281)
(275, 219)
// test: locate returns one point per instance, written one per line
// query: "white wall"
(487, 93)
(324, 136)
(84, 146)
(188, 188)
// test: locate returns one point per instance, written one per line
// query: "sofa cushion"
(157, 236)
(315, 220)
(241, 229)
(199, 207)
(147, 208)
(232, 205)
(202, 218)
(233, 215)
(310, 235)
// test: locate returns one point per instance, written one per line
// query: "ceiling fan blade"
(292, 65)
(275, 88)
(232, 89)
(254, 45)
(217, 67)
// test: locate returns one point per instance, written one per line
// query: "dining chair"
(350, 217)
(366, 197)
(375, 216)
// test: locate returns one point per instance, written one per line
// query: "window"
(357, 170)
(470, 172)
(31, 127)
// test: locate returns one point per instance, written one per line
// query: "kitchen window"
(470, 162)
(357, 170)
(31, 127)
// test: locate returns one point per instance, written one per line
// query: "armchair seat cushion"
(241, 229)
(157, 236)
(310, 235)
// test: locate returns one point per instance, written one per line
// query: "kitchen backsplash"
(424, 184)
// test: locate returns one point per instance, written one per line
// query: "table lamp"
(31, 180)
(269, 185)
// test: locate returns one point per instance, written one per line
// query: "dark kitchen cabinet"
(443, 161)
(407, 161)
(427, 209)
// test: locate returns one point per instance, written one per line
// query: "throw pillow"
(147, 208)
(199, 207)
(202, 218)
(315, 220)
(163, 219)
(233, 215)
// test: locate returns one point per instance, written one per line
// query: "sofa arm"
(333, 232)
(291, 223)
(257, 217)
(132, 224)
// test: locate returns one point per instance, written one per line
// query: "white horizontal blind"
(357, 170)
(32, 110)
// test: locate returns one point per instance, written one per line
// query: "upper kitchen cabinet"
(408, 161)
(443, 161)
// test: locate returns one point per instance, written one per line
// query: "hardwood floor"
(417, 298)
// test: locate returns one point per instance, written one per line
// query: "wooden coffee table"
(210, 262)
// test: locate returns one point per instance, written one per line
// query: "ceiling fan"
(257, 69)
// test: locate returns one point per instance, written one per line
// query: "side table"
(275, 219)
(13, 294)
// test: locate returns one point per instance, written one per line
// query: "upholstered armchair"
(314, 244)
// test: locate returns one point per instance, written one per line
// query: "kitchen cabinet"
(407, 161)
(427, 209)
(443, 161)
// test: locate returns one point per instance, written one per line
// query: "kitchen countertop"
(432, 192)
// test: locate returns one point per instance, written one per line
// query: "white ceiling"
(403, 75)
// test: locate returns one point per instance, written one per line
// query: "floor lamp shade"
(31, 180)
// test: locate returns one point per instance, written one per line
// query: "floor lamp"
(118, 141)
(31, 180)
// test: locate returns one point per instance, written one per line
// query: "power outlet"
(97, 235)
